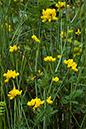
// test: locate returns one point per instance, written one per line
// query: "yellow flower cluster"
(37, 102)
(49, 14)
(49, 58)
(78, 32)
(49, 101)
(10, 74)
(63, 34)
(14, 48)
(41, 73)
(61, 5)
(7, 26)
(71, 63)
(14, 92)
(35, 38)
(56, 79)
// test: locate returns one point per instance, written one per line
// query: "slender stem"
(44, 122)
(14, 113)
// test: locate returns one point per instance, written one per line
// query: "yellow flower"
(78, 32)
(1, 3)
(49, 58)
(65, 61)
(58, 56)
(72, 64)
(14, 93)
(1, 25)
(38, 103)
(49, 14)
(35, 102)
(41, 73)
(9, 27)
(35, 38)
(31, 103)
(75, 69)
(49, 101)
(6, 24)
(63, 34)
(70, 31)
(61, 5)
(10, 74)
(14, 48)
(32, 77)
(56, 79)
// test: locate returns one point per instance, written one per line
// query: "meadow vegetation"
(42, 64)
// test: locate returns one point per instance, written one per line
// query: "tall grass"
(68, 94)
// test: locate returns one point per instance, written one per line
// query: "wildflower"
(56, 79)
(35, 102)
(58, 56)
(35, 38)
(65, 61)
(27, 39)
(14, 48)
(9, 28)
(78, 32)
(49, 58)
(63, 34)
(31, 103)
(72, 64)
(1, 25)
(10, 74)
(41, 73)
(6, 24)
(1, 3)
(49, 101)
(32, 77)
(70, 31)
(39, 79)
(38, 103)
(49, 14)
(21, 0)
(14, 92)
(61, 5)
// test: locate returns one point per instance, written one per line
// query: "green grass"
(68, 109)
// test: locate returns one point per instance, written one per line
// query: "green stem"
(70, 104)
(14, 113)
(44, 122)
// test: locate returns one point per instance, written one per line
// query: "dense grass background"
(68, 109)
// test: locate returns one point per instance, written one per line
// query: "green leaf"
(75, 102)
(64, 101)
(74, 94)
(71, 79)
